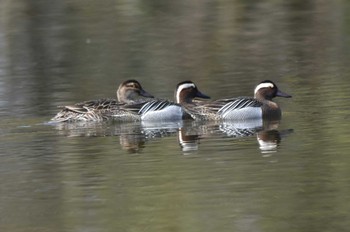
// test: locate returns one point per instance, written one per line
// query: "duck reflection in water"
(188, 142)
(267, 133)
(133, 143)
(134, 136)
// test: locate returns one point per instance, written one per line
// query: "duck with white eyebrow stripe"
(263, 85)
(243, 108)
(164, 110)
(183, 88)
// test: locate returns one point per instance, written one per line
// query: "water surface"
(186, 176)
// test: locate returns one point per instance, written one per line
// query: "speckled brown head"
(130, 91)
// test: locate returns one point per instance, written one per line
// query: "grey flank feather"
(155, 106)
(239, 103)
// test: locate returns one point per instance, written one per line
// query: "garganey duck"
(163, 110)
(242, 108)
(129, 92)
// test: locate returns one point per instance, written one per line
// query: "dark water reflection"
(186, 176)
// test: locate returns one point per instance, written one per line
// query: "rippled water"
(291, 175)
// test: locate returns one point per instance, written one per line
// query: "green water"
(176, 177)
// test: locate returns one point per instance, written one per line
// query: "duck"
(131, 92)
(128, 92)
(259, 107)
(159, 110)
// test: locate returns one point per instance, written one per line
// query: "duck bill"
(282, 94)
(201, 95)
(146, 94)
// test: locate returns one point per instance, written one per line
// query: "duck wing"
(143, 108)
(232, 104)
(88, 110)
(213, 110)
(100, 104)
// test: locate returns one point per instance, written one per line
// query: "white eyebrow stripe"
(182, 87)
(263, 85)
